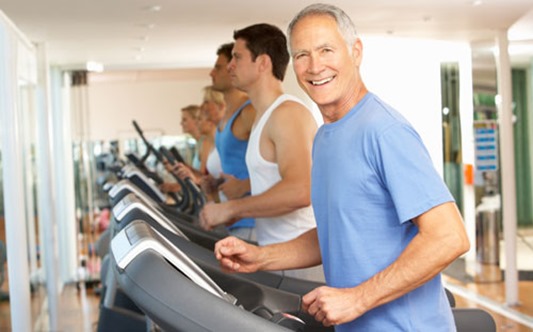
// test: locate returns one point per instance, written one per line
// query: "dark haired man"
(231, 141)
(279, 151)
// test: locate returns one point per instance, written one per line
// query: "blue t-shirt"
(371, 175)
(232, 152)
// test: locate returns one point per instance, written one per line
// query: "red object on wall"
(469, 174)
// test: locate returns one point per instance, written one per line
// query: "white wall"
(405, 73)
(152, 98)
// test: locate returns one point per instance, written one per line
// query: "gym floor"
(79, 305)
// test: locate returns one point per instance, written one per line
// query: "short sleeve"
(407, 171)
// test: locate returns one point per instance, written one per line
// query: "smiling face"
(327, 70)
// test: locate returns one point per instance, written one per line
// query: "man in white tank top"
(279, 150)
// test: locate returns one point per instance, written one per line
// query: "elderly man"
(386, 222)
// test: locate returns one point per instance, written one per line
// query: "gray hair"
(345, 24)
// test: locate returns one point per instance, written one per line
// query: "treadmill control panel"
(138, 237)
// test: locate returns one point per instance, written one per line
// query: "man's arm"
(234, 188)
(236, 255)
(290, 132)
(440, 240)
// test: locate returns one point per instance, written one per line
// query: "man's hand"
(333, 306)
(234, 188)
(170, 187)
(209, 185)
(183, 172)
(236, 255)
(168, 166)
(213, 215)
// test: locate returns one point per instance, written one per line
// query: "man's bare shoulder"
(293, 110)
(291, 118)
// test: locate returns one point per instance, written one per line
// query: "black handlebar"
(149, 146)
(189, 188)
(137, 128)
(177, 154)
(164, 151)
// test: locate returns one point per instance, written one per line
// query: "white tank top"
(263, 175)
(214, 168)
(213, 164)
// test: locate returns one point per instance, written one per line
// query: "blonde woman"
(211, 112)
(190, 116)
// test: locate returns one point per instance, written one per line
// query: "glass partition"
(94, 164)
(451, 131)
(27, 135)
(18, 200)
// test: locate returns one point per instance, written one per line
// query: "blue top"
(371, 175)
(232, 153)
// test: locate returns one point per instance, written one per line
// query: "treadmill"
(116, 309)
(178, 295)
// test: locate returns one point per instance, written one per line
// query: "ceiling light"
(94, 66)
(477, 3)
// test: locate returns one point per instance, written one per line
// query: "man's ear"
(357, 52)
(264, 61)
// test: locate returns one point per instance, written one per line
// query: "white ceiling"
(125, 34)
